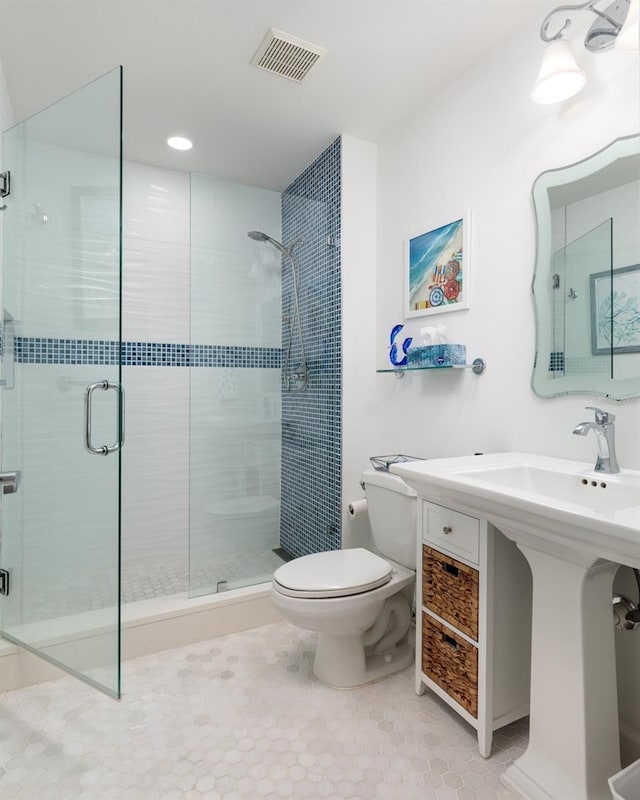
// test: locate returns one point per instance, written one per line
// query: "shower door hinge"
(9, 482)
(5, 184)
(4, 581)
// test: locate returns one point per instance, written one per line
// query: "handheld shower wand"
(295, 380)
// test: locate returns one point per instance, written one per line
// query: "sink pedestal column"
(573, 744)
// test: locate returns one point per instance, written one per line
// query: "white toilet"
(357, 601)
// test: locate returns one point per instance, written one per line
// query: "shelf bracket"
(477, 366)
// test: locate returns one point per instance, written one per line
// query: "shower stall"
(62, 408)
(235, 387)
(170, 396)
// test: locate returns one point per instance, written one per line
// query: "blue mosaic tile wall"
(33, 350)
(311, 420)
(556, 361)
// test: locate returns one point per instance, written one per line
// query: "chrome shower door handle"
(104, 449)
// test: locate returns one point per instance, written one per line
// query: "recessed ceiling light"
(179, 143)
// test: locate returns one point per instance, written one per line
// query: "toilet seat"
(337, 573)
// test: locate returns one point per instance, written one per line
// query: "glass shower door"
(62, 404)
(235, 398)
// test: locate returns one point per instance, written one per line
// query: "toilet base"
(341, 662)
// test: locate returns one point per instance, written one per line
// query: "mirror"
(586, 285)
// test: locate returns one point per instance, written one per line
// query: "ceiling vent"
(287, 55)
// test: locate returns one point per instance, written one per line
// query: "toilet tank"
(392, 508)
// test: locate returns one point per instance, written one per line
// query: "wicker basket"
(451, 662)
(450, 590)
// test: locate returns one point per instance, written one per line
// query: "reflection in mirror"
(587, 278)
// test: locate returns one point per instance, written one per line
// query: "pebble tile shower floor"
(157, 579)
(242, 717)
(167, 578)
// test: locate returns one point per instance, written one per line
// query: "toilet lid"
(338, 573)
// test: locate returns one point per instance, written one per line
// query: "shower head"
(258, 236)
(294, 379)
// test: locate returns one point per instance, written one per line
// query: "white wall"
(480, 145)
(358, 254)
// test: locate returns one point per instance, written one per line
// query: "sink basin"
(599, 494)
(590, 510)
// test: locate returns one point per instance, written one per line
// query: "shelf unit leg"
(485, 740)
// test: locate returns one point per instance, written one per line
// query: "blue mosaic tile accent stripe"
(556, 361)
(154, 354)
(205, 355)
(311, 420)
(33, 350)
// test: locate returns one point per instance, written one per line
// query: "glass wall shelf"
(477, 366)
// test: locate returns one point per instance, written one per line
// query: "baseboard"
(151, 627)
(143, 634)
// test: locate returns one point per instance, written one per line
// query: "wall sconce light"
(560, 77)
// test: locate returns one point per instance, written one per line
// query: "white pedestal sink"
(575, 527)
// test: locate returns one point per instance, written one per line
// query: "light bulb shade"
(628, 40)
(559, 77)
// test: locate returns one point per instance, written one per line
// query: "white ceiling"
(186, 69)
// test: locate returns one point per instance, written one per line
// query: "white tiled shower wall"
(49, 293)
(155, 307)
(232, 297)
(236, 291)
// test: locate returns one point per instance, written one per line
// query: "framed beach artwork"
(437, 270)
(615, 311)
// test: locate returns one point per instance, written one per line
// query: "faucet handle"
(602, 417)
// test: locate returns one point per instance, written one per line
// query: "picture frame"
(437, 268)
(615, 310)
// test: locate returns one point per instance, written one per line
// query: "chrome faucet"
(605, 431)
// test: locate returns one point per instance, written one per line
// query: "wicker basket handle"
(450, 641)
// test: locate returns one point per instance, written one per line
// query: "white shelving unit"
(476, 653)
